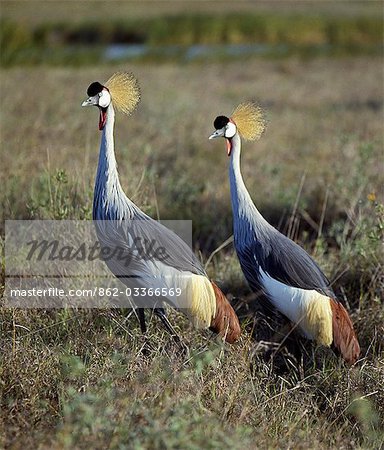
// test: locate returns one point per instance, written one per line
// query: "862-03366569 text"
(96, 291)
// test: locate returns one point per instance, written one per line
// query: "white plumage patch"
(104, 98)
(309, 309)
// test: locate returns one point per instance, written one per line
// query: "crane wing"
(177, 253)
(283, 260)
(143, 239)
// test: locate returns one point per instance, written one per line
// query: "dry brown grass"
(79, 379)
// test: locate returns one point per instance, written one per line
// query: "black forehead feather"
(94, 88)
(220, 122)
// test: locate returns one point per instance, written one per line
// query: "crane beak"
(91, 101)
(217, 133)
(94, 101)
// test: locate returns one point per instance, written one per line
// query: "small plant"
(57, 197)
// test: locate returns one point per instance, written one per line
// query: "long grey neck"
(244, 210)
(108, 194)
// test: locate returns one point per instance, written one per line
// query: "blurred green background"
(88, 32)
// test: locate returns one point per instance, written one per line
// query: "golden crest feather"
(250, 120)
(125, 91)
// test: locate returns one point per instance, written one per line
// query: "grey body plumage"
(258, 244)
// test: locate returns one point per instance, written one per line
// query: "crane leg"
(160, 313)
(141, 316)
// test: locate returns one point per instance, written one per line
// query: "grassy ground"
(78, 379)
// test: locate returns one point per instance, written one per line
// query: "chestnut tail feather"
(344, 336)
(226, 322)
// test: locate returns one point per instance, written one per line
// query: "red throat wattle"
(102, 118)
(229, 147)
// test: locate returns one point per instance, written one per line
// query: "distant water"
(126, 51)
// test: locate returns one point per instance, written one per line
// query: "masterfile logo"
(93, 263)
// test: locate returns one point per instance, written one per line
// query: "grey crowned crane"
(119, 223)
(274, 264)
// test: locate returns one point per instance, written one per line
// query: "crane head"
(225, 127)
(122, 89)
(247, 119)
(98, 96)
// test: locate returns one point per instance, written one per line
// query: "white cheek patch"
(104, 99)
(230, 130)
